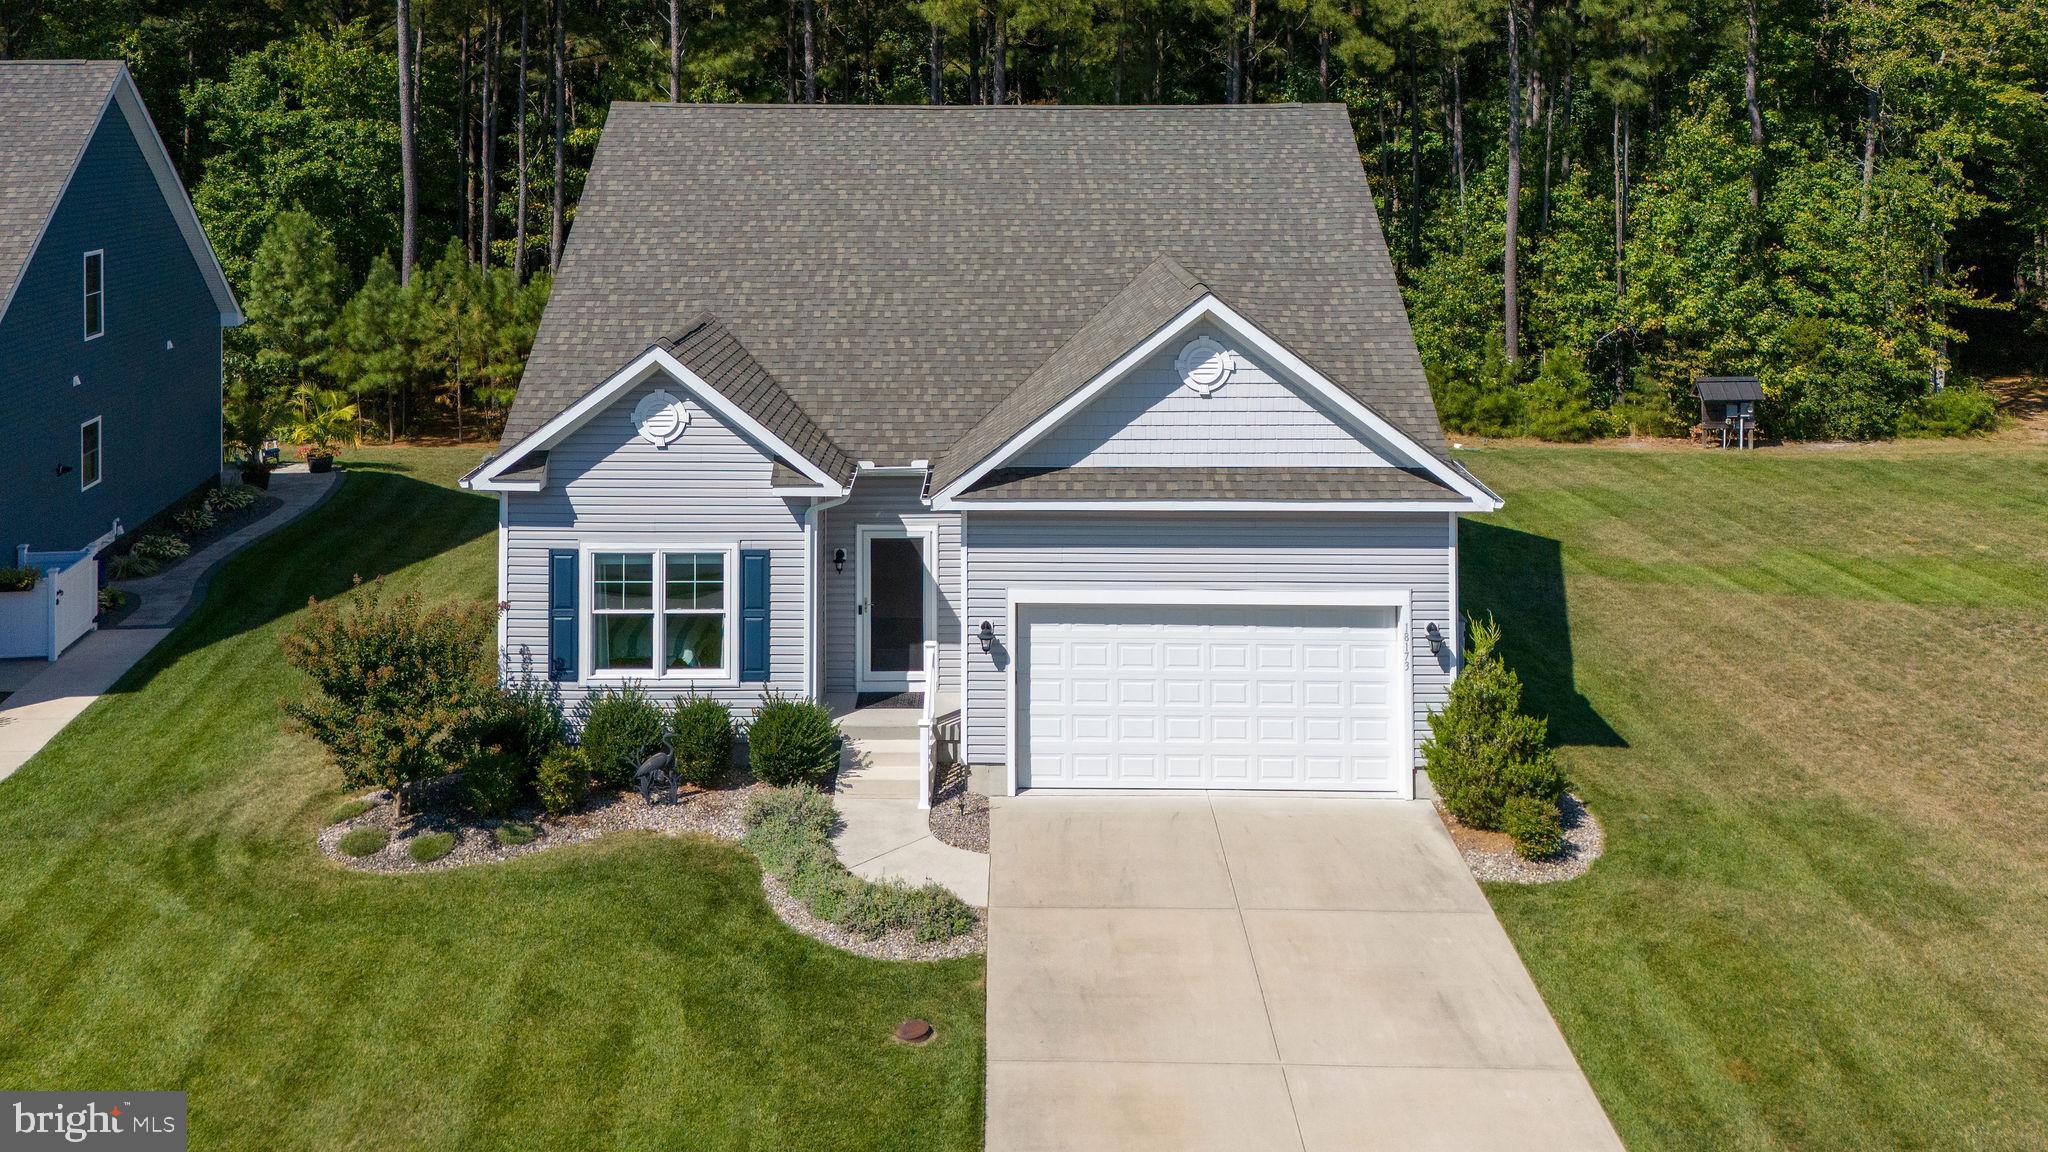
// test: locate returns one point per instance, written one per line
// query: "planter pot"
(319, 461)
(258, 477)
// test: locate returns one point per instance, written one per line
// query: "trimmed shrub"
(789, 831)
(562, 780)
(1956, 411)
(348, 810)
(792, 741)
(494, 780)
(1534, 824)
(430, 846)
(527, 720)
(618, 727)
(513, 835)
(365, 841)
(702, 728)
(18, 579)
(1482, 749)
(401, 691)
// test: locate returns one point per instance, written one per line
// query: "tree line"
(1589, 202)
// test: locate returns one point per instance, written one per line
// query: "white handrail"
(927, 752)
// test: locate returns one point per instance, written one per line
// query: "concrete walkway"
(883, 834)
(54, 694)
(1225, 971)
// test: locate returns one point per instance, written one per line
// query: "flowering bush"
(401, 690)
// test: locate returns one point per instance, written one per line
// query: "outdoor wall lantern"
(987, 635)
(1436, 640)
(839, 559)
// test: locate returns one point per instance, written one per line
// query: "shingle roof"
(1719, 389)
(1162, 291)
(898, 272)
(48, 110)
(1208, 484)
(709, 349)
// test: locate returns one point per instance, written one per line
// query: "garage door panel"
(1222, 696)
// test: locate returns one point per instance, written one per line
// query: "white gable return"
(1176, 514)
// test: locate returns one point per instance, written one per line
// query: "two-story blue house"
(111, 311)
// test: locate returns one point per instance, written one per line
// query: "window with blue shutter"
(563, 571)
(753, 615)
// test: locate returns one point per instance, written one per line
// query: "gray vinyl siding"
(893, 501)
(606, 484)
(1151, 419)
(152, 376)
(1185, 551)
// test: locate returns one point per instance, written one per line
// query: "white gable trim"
(1291, 368)
(124, 96)
(632, 375)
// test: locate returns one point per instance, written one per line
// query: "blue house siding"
(159, 406)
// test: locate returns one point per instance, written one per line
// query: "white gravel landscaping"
(1491, 855)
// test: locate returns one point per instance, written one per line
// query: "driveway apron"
(1230, 971)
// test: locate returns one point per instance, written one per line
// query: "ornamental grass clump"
(364, 841)
(619, 728)
(401, 690)
(789, 830)
(430, 846)
(792, 741)
(1483, 752)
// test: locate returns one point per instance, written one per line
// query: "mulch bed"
(716, 812)
(161, 524)
(959, 817)
(1491, 855)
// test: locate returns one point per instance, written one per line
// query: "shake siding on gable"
(1206, 551)
(1151, 419)
(159, 406)
(893, 501)
(607, 485)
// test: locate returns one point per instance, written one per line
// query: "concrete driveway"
(1218, 971)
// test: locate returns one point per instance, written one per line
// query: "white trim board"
(1399, 599)
(643, 367)
(1290, 368)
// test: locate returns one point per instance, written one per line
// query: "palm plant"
(326, 417)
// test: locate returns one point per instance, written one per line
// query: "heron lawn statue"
(658, 773)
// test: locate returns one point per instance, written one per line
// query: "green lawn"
(1807, 692)
(165, 922)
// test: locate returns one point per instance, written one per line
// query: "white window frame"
(99, 454)
(728, 671)
(86, 294)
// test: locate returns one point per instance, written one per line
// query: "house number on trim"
(1204, 365)
(661, 419)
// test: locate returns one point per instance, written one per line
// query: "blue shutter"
(753, 615)
(563, 570)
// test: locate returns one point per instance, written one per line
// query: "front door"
(895, 608)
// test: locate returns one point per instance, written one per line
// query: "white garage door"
(1132, 696)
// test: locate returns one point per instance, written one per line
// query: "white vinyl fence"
(63, 605)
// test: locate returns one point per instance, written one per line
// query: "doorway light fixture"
(839, 559)
(987, 635)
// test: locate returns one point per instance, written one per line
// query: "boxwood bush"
(562, 780)
(1534, 824)
(1482, 749)
(619, 726)
(495, 780)
(792, 741)
(789, 831)
(701, 728)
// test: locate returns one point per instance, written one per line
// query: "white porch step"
(891, 747)
(869, 721)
